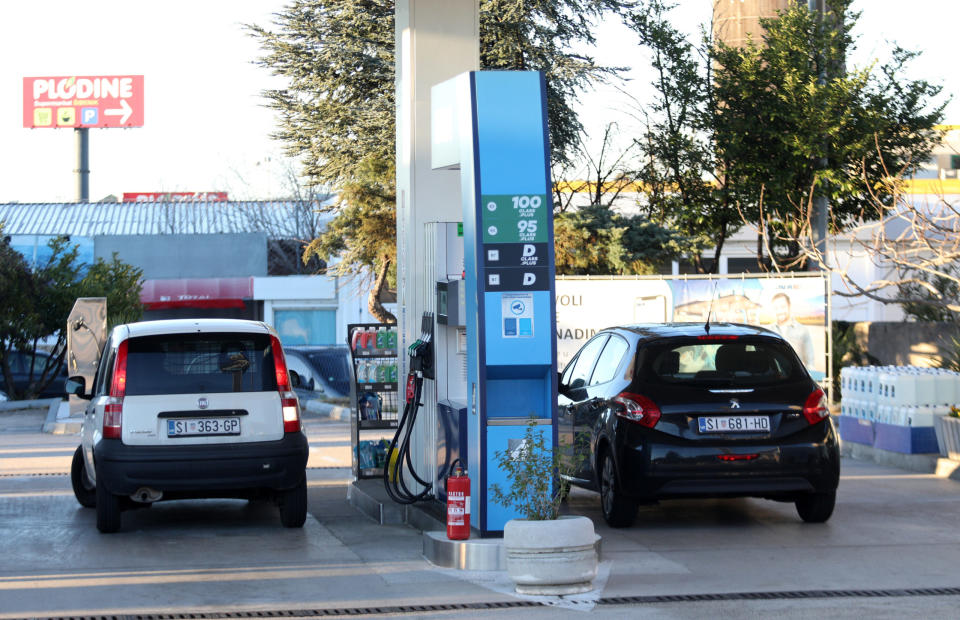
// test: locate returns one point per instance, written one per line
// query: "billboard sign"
(175, 197)
(83, 101)
(793, 306)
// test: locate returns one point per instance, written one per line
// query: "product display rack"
(374, 397)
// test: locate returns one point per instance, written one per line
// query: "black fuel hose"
(393, 472)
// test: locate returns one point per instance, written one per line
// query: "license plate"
(735, 424)
(203, 426)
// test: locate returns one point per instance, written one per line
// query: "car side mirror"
(295, 380)
(77, 386)
(312, 384)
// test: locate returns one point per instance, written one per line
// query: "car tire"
(85, 492)
(108, 510)
(816, 507)
(618, 511)
(293, 505)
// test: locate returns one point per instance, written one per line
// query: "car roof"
(180, 326)
(652, 331)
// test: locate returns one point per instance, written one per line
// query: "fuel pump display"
(492, 353)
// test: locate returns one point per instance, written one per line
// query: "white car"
(186, 409)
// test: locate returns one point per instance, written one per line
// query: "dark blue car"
(26, 371)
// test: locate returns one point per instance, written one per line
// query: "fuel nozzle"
(421, 351)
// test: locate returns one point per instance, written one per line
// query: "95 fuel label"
(514, 218)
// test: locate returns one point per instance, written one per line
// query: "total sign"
(83, 101)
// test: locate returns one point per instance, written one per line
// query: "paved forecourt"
(894, 532)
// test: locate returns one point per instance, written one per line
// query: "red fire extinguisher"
(458, 503)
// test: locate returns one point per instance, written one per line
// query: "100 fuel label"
(520, 218)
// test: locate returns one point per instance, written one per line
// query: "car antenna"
(713, 296)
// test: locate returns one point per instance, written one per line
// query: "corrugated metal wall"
(277, 218)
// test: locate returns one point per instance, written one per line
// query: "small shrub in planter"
(545, 553)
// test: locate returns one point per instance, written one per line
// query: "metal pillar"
(820, 206)
(436, 40)
(82, 170)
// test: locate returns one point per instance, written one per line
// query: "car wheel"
(618, 511)
(293, 505)
(816, 507)
(85, 492)
(108, 510)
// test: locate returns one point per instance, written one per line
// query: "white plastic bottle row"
(901, 385)
(901, 415)
(376, 371)
(901, 395)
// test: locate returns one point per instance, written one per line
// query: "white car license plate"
(735, 424)
(187, 427)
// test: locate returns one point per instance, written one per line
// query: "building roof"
(279, 219)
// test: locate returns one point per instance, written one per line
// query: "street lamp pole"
(82, 171)
(820, 206)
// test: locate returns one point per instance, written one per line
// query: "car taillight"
(113, 410)
(288, 398)
(637, 408)
(718, 337)
(815, 409)
(291, 413)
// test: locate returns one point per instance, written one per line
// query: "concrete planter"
(553, 557)
(948, 436)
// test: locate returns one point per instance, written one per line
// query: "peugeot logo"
(734, 403)
(203, 403)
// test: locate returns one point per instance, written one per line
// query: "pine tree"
(748, 134)
(337, 113)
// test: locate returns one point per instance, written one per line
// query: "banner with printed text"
(795, 307)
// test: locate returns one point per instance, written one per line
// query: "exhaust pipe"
(146, 495)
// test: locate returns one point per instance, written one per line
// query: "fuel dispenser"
(492, 310)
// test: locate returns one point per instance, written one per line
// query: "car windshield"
(739, 362)
(200, 364)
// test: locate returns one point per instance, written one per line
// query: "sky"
(206, 126)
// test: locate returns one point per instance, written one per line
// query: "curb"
(17, 405)
(318, 409)
(921, 463)
(52, 422)
(55, 425)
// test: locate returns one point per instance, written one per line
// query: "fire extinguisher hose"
(393, 470)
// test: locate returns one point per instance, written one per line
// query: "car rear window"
(742, 362)
(200, 364)
(334, 367)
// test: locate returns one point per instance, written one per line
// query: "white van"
(187, 409)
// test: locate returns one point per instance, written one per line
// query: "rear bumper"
(196, 471)
(655, 466)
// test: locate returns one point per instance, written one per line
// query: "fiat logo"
(203, 403)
